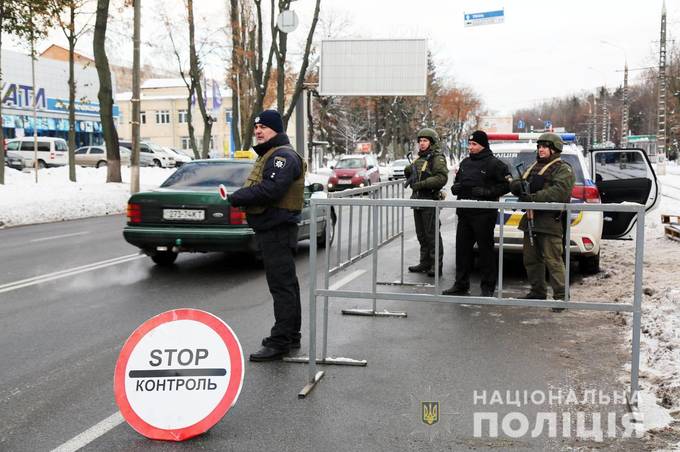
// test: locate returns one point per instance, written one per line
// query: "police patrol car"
(619, 175)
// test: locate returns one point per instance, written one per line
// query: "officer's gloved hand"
(456, 188)
(481, 192)
(536, 183)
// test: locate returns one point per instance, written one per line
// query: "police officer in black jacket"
(481, 177)
(273, 198)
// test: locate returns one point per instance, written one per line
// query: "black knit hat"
(479, 137)
(271, 119)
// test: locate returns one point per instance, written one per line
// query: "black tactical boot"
(420, 268)
(456, 291)
(558, 298)
(533, 296)
(430, 271)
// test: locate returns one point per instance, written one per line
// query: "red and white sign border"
(228, 400)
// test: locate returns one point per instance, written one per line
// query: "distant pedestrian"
(480, 177)
(550, 180)
(273, 199)
(427, 175)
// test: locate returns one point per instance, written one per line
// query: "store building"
(51, 94)
(164, 115)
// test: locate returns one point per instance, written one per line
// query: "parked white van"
(51, 151)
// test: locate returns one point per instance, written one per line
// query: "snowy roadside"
(660, 332)
(55, 198)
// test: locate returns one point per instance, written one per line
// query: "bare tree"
(25, 19)
(235, 74)
(250, 50)
(196, 74)
(66, 13)
(191, 88)
(351, 128)
(106, 93)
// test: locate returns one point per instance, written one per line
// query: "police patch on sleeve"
(279, 162)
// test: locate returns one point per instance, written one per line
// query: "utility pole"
(661, 106)
(624, 113)
(35, 98)
(594, 118)
(605, 115)
(134, 163)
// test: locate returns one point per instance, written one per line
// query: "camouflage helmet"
(553, 141)
(430, 134)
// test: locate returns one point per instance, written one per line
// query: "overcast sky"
(545, 48)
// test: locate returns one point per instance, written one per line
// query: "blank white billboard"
(385, 67)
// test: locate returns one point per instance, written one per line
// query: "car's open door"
(623, 175)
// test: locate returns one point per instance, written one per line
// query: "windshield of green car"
(199, 175)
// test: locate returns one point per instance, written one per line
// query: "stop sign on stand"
(178, 374)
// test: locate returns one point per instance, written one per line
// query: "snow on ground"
(660, 338)
(54, 198)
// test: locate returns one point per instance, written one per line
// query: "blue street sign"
(485, 18)
(521, 124)
(547, 125)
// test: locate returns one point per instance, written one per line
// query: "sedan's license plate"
(345, 181)
(183, 214)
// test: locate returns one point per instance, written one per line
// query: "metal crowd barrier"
(375, 204)
(390, 223)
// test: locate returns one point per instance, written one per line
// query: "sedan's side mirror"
(316, 187)
(331, 167)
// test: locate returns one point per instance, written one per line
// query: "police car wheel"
(590, 265)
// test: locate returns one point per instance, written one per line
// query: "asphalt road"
(61, 336)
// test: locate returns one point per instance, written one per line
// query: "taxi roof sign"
(178, 374)
(246, 154)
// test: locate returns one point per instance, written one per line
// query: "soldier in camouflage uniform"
(550, 180)
(427, 175)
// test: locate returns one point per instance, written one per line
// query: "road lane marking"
(91, 434)
(355, 274)
(66, 273)
(42, 239)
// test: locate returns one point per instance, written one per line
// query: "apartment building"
(164, 115)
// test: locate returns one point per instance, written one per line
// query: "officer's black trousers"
(423, 217)
(278, 247)
(477, 228)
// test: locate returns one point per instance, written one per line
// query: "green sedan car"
(187, 214)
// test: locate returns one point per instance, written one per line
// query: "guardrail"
(374, 205)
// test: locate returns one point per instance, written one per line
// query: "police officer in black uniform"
(481, 177)
(273, 198)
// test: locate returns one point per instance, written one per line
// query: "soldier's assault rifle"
(525, 192)
(412, 178)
